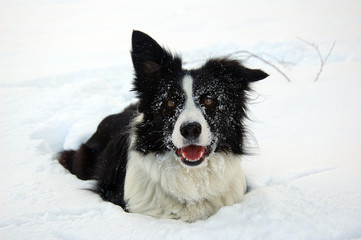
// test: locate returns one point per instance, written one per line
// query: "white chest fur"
(159, 186)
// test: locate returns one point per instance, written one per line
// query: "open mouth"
(193, 155)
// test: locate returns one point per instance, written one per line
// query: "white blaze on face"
(190, 113)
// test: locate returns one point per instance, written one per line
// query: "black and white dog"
(177, 153)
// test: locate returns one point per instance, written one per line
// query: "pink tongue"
(192, 152)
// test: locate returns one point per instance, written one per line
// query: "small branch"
(284, 63)
(323, 60)
(246, 55)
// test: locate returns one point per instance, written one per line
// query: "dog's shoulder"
(111, 169)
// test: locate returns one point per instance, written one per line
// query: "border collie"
(176, 154)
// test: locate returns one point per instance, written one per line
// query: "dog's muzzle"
(191, 131)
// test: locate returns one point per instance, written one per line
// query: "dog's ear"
(255, 74)
(222, 67)
(148, 56)
(236, 67)
(152, 64)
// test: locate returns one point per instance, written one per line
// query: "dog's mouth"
(193, 155)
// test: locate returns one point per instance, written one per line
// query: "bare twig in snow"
(284, 63)
(246, 55)
(323, 60)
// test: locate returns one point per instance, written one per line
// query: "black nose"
(191, 130)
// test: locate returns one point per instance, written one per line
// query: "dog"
(176, 153)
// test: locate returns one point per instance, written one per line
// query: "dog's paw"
(199, 211)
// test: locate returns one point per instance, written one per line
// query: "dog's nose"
(191, 130)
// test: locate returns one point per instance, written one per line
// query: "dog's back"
(85, 162)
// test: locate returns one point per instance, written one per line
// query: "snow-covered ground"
(65, 64)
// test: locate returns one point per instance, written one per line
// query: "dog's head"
(193, 113)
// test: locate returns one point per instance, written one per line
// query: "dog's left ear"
(255, 74)
(221, 67)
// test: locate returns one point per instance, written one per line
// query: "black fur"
(227, 81)
(104, 156)
(158, 76)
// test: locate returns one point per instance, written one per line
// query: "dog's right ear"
(152, 63)
(149, 58)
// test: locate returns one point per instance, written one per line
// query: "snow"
(65, 65)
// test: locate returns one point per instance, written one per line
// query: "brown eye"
(171, 103)
(208, 102)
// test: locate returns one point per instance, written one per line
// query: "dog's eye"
(171, 103)
(208, 102)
